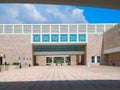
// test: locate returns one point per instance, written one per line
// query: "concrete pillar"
(41, 60)
(52, 61)
(64, 60)
(79, 60)
(73, 60)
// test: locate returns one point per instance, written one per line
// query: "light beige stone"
(73, 60)
(15, 46)
(41, 60)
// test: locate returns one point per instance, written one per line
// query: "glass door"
(58, 60)
(48, 60)
(0, 60)
(68, 60)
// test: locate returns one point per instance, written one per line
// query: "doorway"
(83, 62)
(60, 60)
(1, 61)
(48, 60)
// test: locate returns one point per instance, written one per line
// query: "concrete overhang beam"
(112, 4)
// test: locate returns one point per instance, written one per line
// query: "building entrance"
(58, 60)
(0, 60)
(59, 54)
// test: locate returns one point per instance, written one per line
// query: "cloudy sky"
(55, 14)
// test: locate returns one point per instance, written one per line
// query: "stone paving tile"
(61, 78)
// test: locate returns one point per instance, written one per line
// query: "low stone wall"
(11, 67)
(4, 67)
(8, 67)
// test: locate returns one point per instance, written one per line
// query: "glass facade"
(64, 38)
(82, 37)
(73, 37)
(54, 38)
(36, 37)
(45, 38)
(42, 48)
(59, 38)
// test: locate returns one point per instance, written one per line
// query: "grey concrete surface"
(94, 3)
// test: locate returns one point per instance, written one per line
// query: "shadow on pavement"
(62, 85)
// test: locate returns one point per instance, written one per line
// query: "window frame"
(73, 37)
(63, 37)
(36, 38)
(53, 38)
(83, 36)
(93, 59)
(98, 59)
(44, 38)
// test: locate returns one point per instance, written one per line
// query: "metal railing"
(54, 28)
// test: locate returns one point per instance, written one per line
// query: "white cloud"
(40, 14)
(77, 15)
(10, 16)
(77, 11)
(13, 14)
(55, 12)
(68, 15)
(33, 13)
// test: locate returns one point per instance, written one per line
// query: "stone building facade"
(111, 45)
(78, 44)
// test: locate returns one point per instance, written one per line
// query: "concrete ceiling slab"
(112, 4)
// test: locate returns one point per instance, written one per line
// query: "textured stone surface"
(79, 60)
(73, 59)
(15, 46)
(94, 46)
(112, 38)
(41, 60)
(61, 78)
(113, 59)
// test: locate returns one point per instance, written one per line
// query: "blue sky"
(55, 14)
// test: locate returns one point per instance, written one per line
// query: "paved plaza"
(61, 78)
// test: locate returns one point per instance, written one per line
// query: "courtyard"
(61, 78)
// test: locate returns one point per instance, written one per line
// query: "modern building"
(60, 44)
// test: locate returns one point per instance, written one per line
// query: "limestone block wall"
(73, 60)
(111, 38)
(114, 59)
(41, 60)
(111, 44)
(94, 46)
(14, 46)
(79, 60)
